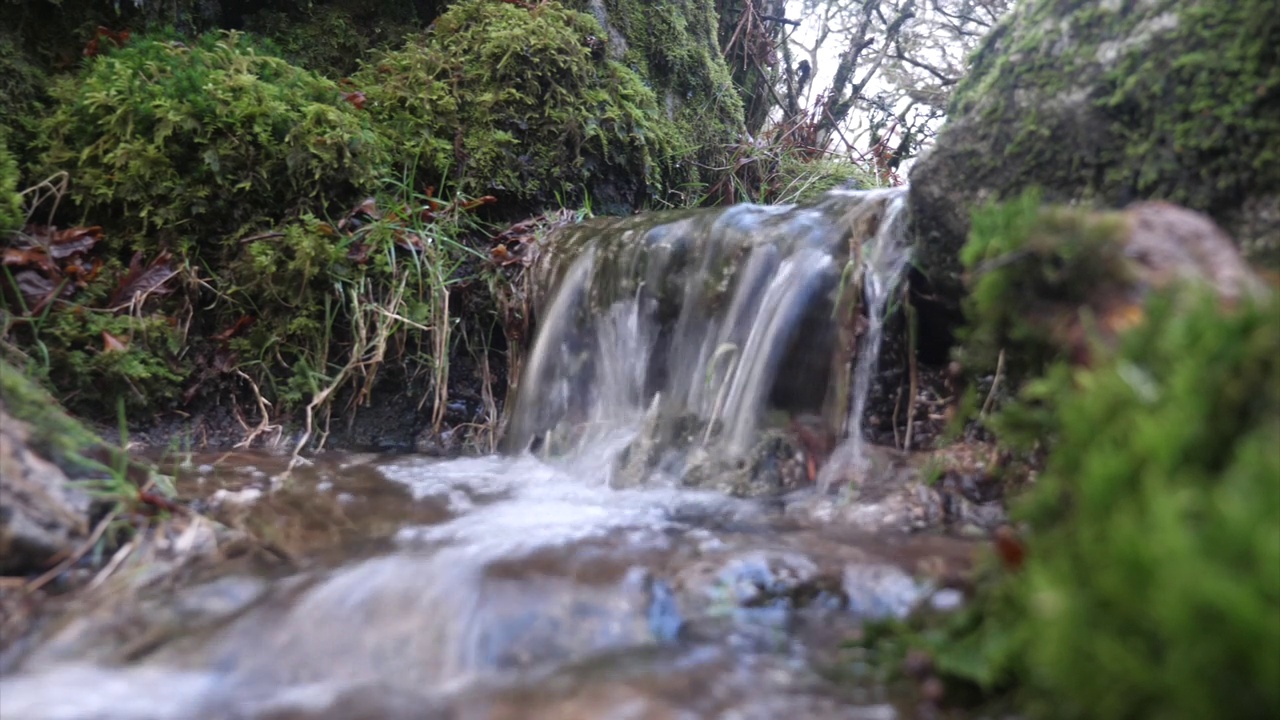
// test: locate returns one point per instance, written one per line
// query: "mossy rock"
(1107, 104)
(197, 140)
(674, 46)
(523, 104)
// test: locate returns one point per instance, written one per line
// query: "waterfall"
(699, 329)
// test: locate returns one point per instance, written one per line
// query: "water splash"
(708, 325)
(882, 268)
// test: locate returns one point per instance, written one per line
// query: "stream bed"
(489, 587)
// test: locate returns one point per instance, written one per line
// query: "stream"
(652, 543)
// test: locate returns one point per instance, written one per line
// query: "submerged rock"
(1107, 104)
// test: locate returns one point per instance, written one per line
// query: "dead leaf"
(241, 323)
(478, 202)
(24, 257)
(74, 241)
(111, 343)
(411, 241)
(81, 271)
(356, 98)
(140, 281)
(358, 253)
(36, 289)
(364, 212)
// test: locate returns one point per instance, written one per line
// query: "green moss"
(331, 39)
(12, 214)
(90, 377)
(1152, 570)
(501, 99)
(1033, 269)
(22, 92)
(55, 435)
(673, 45)
(1156, 525)
(801, 180)
(1152, 560)
(197, 140)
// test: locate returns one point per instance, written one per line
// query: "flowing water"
(598, 569)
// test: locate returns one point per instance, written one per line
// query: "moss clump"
(11, 210)
(91, 372)
(199, 139)
(1152, 571)
(1153, 578)
(500, 99)
(1036, 271)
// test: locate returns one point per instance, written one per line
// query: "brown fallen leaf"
(1010, 548)
(358, 253)
(36, 289)
(478, 202)
(241, 323)
(24, 257)
(356, 98)
(74, 241)
(111, 343)
(411, 240)
(140, 281)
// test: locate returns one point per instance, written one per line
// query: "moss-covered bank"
(245, 226)
(524, 104)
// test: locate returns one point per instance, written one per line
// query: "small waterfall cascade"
(694, 331)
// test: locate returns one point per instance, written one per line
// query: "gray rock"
(42, 514)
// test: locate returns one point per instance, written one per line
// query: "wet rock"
(1107, 104)
(756, 580)
(775, 464)
(43, 515)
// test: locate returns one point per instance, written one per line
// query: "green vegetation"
(203, 137)
(56, 436)
(1151, 578)
(673, 45)
(11, 207)
(332, 38)
(500, 99)
(1036, 272)
(236, 251)
(22, 90)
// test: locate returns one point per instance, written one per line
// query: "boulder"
(1105, 104)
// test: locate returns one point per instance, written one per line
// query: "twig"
(912, 368)
(74, 557)
(116, 561)
(995, 384)
(261, 236)
(264, 425)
